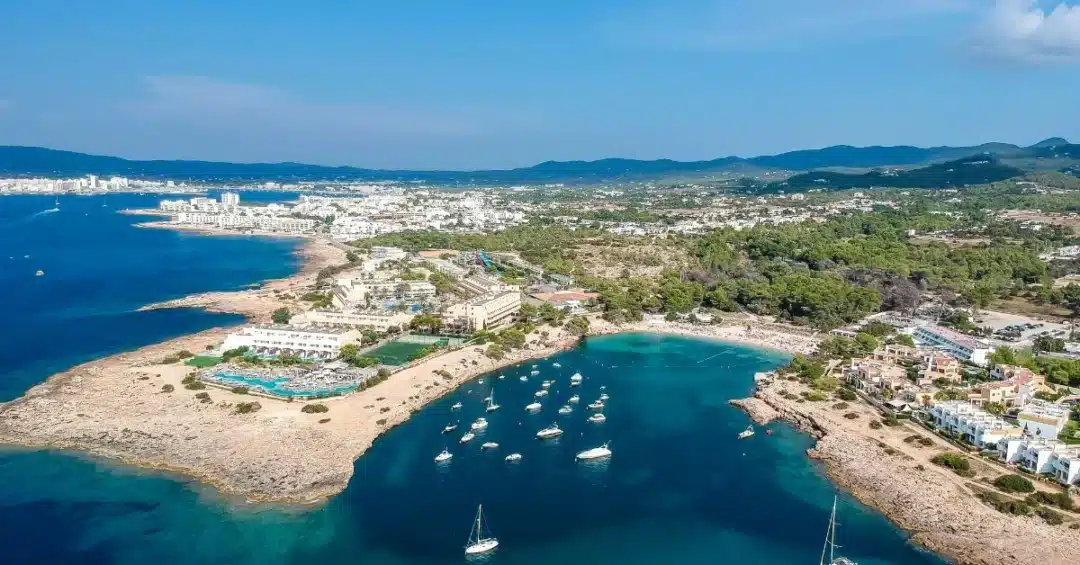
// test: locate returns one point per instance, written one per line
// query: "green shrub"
(169, 360)
(239, 390)
(1053, 518)
(314, 409)
(1005, 505)
(846, 394)
(204, 397)
(840, 406)
(851, 415)
(816, 396)
(890, 420)
(248, 407)
(1059, 499)
(168, 388)
(324, 420)
(875, 425)
(958, 463)
(381, 421)
(194, 385)
(184, 354)
(926, 442)
(1014, 483)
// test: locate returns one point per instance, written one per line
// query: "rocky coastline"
(938, 507)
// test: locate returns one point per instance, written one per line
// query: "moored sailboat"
(478, 544)
(830, 543)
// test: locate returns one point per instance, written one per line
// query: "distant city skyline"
(440, 86)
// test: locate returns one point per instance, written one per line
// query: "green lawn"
(202, 361)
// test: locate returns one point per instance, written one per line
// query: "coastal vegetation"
(281, 316)
(1014, 483)
(167, 388)
(314, 408)
(248, 407)
(955, 461)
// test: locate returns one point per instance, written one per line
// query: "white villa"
(1043, 419)
(1042, 455)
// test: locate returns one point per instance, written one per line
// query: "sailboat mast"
(832, 531)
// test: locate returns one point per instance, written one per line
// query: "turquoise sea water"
(679, 488)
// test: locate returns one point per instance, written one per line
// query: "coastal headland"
(885, 469)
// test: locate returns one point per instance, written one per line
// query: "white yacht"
(604, 397)
(444, 456)
(830, 543)
(557, 365)
(603, 387)
(534, 407)
(595, 453)
(523, 378)
(501, 377)
(478, 544)
(513, 457)
(449, 428)
(566, 409)
(480, 382)
(535, 366)
(575, 379)
(546, 384)
(467, 437)
(456, 406)
(549, 432)
(596, 405)
(39, 273)
(749, 431)
(491, 406)
(597, 418)
(540, 393)
(574, 399)
(534, 372)
(479, 424)
(489, 445)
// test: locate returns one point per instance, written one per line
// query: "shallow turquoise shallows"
(679, 487)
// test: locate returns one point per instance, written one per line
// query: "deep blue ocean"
(680, 487)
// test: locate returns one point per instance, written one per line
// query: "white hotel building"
(487, 312)
(964, 348)
(1043, 419)
(973, 424)
(379, 321)
(309, 343)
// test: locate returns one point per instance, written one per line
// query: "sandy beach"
(897, 477)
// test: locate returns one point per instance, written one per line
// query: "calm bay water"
(680, 487)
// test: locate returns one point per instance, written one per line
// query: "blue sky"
(493, 84)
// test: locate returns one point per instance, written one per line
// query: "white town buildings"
(309, 343)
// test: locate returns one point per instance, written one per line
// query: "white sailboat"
(478, 544)
(534, 407)
(491, 406)
(595, 453)
(444, 456)
(449, 428)
(749, 431)
(566, 409)
(597, 418)
(552, 431)
(467, 437)
(479, 424)
(830, 543)
(456, 406)
(574, 399)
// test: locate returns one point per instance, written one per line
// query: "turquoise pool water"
(275, 386)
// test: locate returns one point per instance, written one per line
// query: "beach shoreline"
(882, 468)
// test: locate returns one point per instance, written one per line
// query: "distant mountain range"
(1055, 152)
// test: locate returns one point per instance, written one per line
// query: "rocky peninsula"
(882, 467)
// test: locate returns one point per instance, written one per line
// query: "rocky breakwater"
(759, 410)
(932, 503)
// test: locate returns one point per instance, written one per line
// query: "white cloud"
(756, 25)
(196, 100)
(1023, 31)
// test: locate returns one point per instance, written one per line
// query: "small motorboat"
(39, 273)
(557, 365)
(596, 405)
(523, 378)
(480, 382)
(456, 406)
(597, 418)
(467, 437)
(489, 445)
(549, 432)
(449, 428)
(501, 377)
(534, 407)
(595, 453)
(574, 399)
(479, 424)
(604, 397)
(575, 379)
(603, 387)
(444, 456)
(535, 366)
(534, 372)
(513, 457)
(540, 393)
(566, 409)
(749, 431)
(546, 384)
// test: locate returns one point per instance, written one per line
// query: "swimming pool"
(274, 385)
